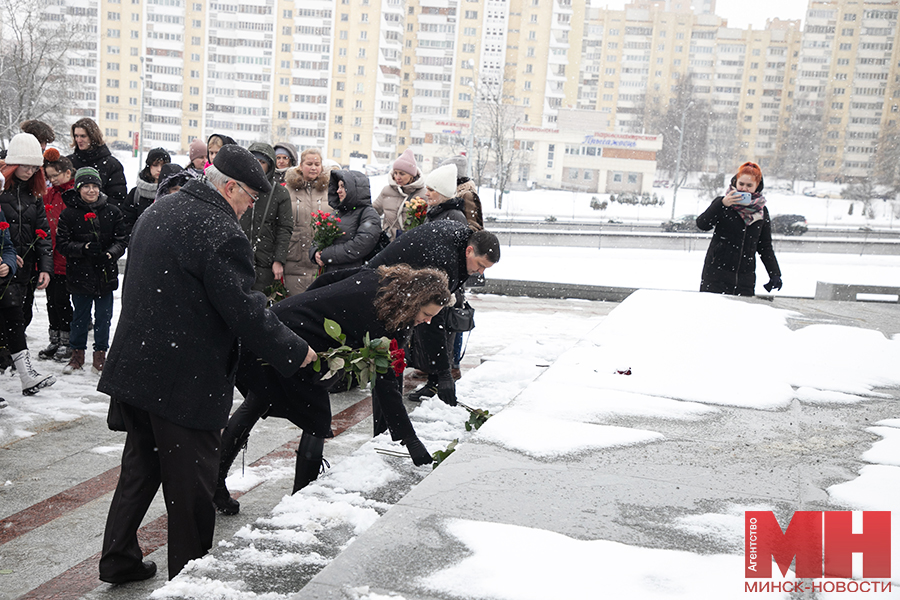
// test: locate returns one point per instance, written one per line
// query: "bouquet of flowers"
(415, 210)
(275, 292)
(325, 229)
(375, 357)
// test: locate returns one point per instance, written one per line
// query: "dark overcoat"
(451, 209)
(86, 274)
(112, 174)
(186, 303)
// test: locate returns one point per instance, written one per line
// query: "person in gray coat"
(349, 196)
(187, 311)
(269, 224)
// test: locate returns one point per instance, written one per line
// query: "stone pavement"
(51, 528)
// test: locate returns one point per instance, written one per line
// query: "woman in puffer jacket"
(406, 183)
(308, 186)
(349, 196)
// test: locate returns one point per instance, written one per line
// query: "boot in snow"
(75, 363)
(417, 451)
(48, 352)
(32, 381)
(309, 461)
(99, 361)
(231, 446)
(426, 391)
(64, 352)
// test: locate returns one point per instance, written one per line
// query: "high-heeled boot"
(231, 446)
(309, 460)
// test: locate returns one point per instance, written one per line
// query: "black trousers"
(59, 304)
(185, 461)
(12, 328)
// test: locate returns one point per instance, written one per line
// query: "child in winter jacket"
(92, 234)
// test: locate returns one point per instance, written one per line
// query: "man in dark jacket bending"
(457, 251)
(187, 307)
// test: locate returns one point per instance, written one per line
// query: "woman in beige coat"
(308, 186)
(406, 183)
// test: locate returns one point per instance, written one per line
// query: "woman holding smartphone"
(742, 229)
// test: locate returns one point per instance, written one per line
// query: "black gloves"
(93, 249)
(447, 388)
(774, 283)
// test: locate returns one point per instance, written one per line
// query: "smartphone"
(746, 198)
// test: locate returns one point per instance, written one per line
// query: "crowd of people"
(203, 241)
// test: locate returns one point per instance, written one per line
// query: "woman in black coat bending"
(386, 302)
(742, 228)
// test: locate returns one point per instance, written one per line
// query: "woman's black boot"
(309, 460)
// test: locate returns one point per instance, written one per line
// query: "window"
(112, 49)
(462, 113)
(340, 86)
(364, 18)
(617, 177)
(135, 18)
(632, 178)
(112, 99)
(339, 103)
(113, 16)
(573, 173)
(337, 135)
(471, 14)
(345, 17)
(361, 70)
(133, 68)
(356, 138)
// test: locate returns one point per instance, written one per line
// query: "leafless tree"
(799, 143)
(34, 54)
(886, 163)
(723, 140)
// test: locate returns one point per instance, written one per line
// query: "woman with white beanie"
(406, 183)
(26, 220)
(440, 194)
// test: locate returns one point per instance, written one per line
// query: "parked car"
(789, 224)
(682, 223)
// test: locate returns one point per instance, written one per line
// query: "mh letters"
(822, 542)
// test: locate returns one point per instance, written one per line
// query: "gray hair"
(217, 177)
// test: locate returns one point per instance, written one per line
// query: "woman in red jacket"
(61, 175)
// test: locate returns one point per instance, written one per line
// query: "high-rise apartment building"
(369, 78)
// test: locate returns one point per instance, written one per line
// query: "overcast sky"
(741, 13)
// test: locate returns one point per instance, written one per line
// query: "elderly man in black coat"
(187, 308)
(456, 250)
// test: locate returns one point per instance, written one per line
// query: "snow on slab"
(889, 422)
(720, 350)
(885, 451)
(583, 403)
(726, 528)
(509, 562)
(548, 437)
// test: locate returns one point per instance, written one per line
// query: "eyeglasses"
(31, 168)
(252, 197)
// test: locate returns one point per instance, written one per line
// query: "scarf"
(749, 212)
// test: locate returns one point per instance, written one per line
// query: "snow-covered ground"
(569, 404)
(817, 364)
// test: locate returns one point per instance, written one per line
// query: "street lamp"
(678, 159)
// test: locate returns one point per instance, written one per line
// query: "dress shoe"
(146, 570)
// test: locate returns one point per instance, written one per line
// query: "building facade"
(367, 79)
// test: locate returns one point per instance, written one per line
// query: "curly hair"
(403, 291)
(91, 129)
(39, 129)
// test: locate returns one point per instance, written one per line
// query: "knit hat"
(51, 155)
(407, 163)
(24, 150)
(86, 175)
(157, 154)
(443, 180)
(237, 163)
(282, 151)
(169, 169)
(197, 149)
(460, 162)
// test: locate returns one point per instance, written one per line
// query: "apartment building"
(366, 79)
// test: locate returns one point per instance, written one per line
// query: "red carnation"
(4, 225)
(40, 233)
(89, 216)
